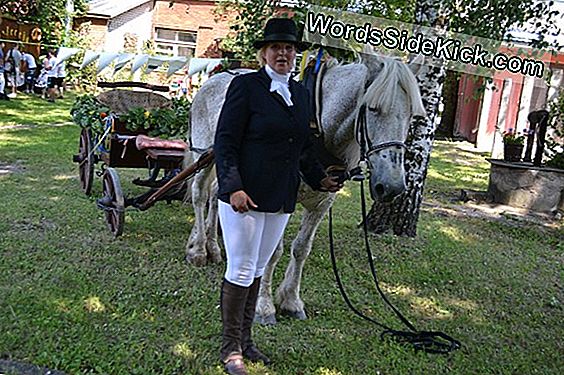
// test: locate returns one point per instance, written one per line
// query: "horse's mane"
(382, 92)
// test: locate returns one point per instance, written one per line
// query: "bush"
(554, 149)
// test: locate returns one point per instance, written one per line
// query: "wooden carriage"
(119, 147)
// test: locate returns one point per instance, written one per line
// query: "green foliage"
(555, 142)
(50, 15)
(173, 122)
(160, 122)
(252, 15)
(248, 25)
(473, 17)
(85, 78)
(512, 138)
(88, 112)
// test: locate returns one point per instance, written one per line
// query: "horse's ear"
(416, 63)
(373, 62)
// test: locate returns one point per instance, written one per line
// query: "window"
(170, 42)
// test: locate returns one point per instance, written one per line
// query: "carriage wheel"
(114, 208)
(86, 161)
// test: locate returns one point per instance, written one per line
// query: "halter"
(361, 135)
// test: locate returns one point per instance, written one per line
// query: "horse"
(374, 98)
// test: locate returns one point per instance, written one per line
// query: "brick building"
(179, 28)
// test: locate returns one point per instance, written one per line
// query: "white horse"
(386, 88)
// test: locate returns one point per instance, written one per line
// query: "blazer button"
(287, 161)
(291, 140)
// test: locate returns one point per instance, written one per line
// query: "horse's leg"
(213, 249)
(288, 294)
(265, 312)
(196, 247)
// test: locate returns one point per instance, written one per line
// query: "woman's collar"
(276, 76)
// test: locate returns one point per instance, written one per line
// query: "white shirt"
(61, 72)
(280, 84)
(52, 72)
(29, 60)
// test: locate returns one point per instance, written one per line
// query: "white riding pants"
(250, 239)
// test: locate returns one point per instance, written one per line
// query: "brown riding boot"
(250, 351)
(233, 300)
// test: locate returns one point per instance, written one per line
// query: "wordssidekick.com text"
(436, 47)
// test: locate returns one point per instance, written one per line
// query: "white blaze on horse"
(376, 97)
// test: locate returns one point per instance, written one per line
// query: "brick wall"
(191, 15)
(96, 31)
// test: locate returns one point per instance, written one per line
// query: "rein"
(435, 342)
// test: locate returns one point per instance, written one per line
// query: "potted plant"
(513, 144)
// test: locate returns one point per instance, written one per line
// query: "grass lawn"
(74, 299)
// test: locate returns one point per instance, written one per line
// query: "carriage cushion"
(121, 101)
(143, 142)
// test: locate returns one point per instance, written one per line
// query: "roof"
(112, 8)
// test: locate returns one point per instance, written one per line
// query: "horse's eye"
(374, 109)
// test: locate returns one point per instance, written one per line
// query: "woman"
(261, 148)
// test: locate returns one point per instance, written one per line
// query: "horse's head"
(382, 123)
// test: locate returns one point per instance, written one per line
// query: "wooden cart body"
(116, 148)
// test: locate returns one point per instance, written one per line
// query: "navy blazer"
(262, 145)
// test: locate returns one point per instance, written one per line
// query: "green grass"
(29, 109)
(75, 299)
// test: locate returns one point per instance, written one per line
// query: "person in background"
(17, 57)
(2, 79)
(61, 75)
(44, 73)
(31, 67)
(10, 72)
(52, 79)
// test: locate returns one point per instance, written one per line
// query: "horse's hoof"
(198, 260)
(300, 315)
(214, 253)
(215, 258)
(265, 320)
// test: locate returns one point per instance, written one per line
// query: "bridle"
(361, 136)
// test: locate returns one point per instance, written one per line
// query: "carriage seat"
(162, 149)
(143, 142)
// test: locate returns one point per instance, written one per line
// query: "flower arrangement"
(171, 122)
(512, 138)
(88, 112)
(160, 122)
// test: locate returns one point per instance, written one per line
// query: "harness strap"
(200, 150)
(366, 146)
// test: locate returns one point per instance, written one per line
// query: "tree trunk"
(401, 215)
(450, 102)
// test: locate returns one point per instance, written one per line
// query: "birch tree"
(475, 17)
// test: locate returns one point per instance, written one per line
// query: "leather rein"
(435, 342)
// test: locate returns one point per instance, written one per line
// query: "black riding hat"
(281, 30)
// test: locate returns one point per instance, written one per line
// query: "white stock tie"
(279, 84)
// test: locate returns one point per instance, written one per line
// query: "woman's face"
(280, 56)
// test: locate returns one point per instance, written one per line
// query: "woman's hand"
(330, 184)
(241, 202)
